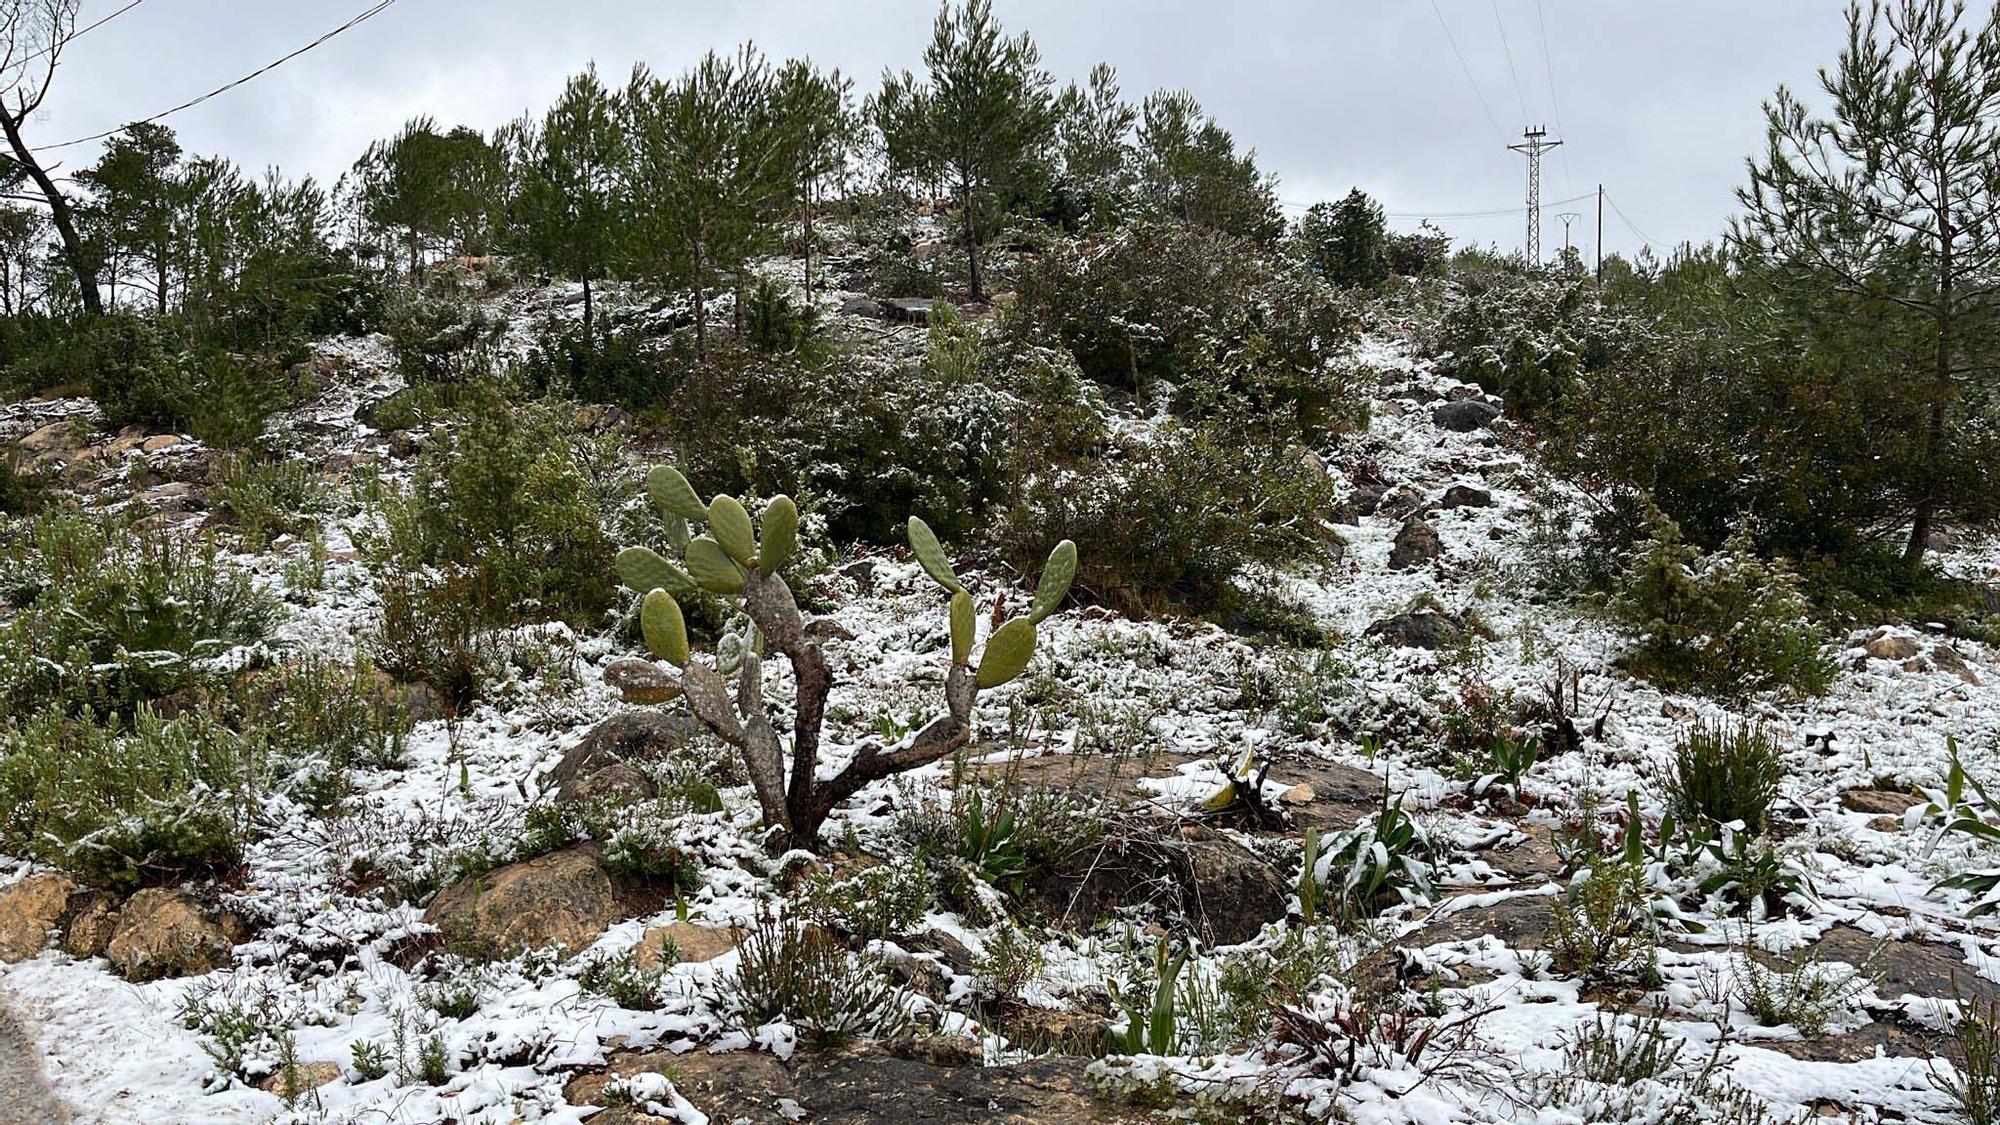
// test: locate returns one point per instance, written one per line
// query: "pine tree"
(821, 131)
(710, 164)
(981, 124)
(1191, 171)
(566, 214)
(129, 218)
(1894, 202)
(1347, 243)
(1094, 138)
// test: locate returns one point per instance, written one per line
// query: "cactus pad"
(730, 524)
(1008, 651)
(666, 630)
(1056, 577)
(712, 568)
(781, 535)
(673, 495)
(930, 555)
(644, 570)
(964, 618)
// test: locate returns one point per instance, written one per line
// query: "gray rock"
(641, 682)
(1426, 629)
(629, 736)
(617, 783)
(1466, 416)
(1466, 496)
(1416, 544)
(863, 306)
(912, 310)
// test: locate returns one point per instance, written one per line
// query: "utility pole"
(1535, 142)
(1567, 218)
(1600, 244)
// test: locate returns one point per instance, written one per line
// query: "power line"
(1488, 214)
(1470, 80)
(1555, 105)
(1509, 52)
(1649, 243)
(77, 34)
(365, 16)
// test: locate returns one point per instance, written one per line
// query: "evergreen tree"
(1347, 243)
(128, 219)
(820, 131)
(567, 216)
(710, 163)
(1891, 206)
(1094, 138)
(981, 124)
(1190, 170)
(436, 191)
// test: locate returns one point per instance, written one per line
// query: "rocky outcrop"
(29, 911)
(629, 736)
(1467, 496)
(565, 899)
(162, 932)
(691, 944)
(1465, 416)
(1424, 628)
(641, 682)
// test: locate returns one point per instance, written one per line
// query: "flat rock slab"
(1918, 968)
(25, 1097)
(863, 1084)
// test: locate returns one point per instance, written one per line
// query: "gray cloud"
(1659, 101)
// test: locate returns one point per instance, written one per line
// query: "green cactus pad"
(1056, 577)
(781, 535)
(673, 495)
(1008, 651)
(665, 629)
(712, 568)
(964, 619)
(678, 533)
(730, 524)
(644, 570)
(930, 555)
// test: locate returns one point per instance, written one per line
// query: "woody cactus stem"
(740, 562)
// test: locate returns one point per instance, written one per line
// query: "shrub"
(773, 323)
(1529, 337)
(608, 365)
(21, 487)
(110, 617)
(1726, 774)
(1380, 864)
(788, 970)
(1170, 523)
(1169, 305)
(266, 499)
(117, 805)
(1728, 622)
(1604, 929)
(1972, 1077)
(511, 501)
(437, 337)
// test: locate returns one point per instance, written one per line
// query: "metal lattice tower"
(1534, 144)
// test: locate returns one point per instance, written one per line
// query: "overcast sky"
(1657, 100)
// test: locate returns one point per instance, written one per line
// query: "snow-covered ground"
(320, 963)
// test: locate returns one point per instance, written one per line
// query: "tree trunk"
(700, 307)
(806, 226)
(586, 307)
(975, 284)
(59, 214)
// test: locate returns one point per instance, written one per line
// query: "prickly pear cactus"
(1012, 643)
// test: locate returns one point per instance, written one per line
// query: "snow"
(120, 1052)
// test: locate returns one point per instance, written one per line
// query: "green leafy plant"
(1726, 775)
(1381, 863)
(786, 969)
(1509, 762)
(1151, 1015)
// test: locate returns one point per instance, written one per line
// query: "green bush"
(437, 337)
(1725, 774)
(624, 367)
(1728, 622)
(1529, 337)
(21, 487)
(265, 499)
(1170, 523)
(119, 805)
(1164, 304)
(113, 617)
(510, 503)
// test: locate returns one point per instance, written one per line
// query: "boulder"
(1885, 645)
(863, 306)
(1232, 891)
(641, 682)
(1425, 629)
(1949, 659)
(1465, 416)
(562, 899)
(1467, 496)
(694, 944)
(629, 736)
(1416, 544)
(911, 310)
(93, 918)
(1882, 802)
(29, 910)
(616, 783)
(162, 932)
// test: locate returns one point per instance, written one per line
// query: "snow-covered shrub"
(1604, 929)
(885, 901)
(609, 364)
(439, 337)
(790, 971)
(1971, 1074)
(1526, 336)
(1813, 996)
(1726, 774)
(1169, 523)
(1729, 622)
(621, 979)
